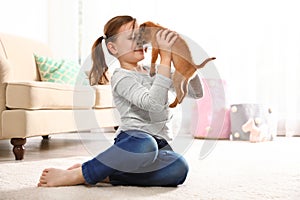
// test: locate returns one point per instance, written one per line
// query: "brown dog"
(182, 60)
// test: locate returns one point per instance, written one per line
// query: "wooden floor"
(61, 145)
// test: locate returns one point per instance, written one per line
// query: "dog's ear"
(142, 27)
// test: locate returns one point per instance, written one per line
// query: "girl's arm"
(165, 40)
(154, 99)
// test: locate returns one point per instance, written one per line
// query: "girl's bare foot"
(74, 166)
(52, 177)
(106, 180)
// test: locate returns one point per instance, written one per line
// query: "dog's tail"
(204, 62)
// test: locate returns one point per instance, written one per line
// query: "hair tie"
(104, 37)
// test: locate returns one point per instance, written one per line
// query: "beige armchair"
(30, 107)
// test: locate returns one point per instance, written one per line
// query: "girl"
(137, 158)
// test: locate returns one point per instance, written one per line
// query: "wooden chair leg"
(46, 137)
(18, 148)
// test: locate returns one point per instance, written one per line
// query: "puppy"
(182, 60)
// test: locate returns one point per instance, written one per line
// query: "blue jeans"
(135, 160)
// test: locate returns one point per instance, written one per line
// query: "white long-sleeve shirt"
(142, 101)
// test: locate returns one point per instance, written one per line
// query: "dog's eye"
(137, 37)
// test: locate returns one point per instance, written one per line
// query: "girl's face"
(125, 46)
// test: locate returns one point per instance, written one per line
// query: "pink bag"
(213, 121)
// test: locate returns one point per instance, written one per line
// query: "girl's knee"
(143, 142)
(183, 169)
(179, 171)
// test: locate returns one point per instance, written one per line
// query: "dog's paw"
(152, 74)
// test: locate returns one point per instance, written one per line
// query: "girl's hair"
(98, 73)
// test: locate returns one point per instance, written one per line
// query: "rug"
(232, 170)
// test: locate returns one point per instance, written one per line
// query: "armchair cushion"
(36, 95)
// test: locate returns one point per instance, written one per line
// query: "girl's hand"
(165, 40)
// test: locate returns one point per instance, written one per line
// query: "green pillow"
(60, 71)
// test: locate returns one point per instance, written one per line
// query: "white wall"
(25, 18)
(54, 22)
(63, 28)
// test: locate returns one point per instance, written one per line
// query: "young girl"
(137, 158)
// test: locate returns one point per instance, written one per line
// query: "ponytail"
(98, 73)
(99, 68)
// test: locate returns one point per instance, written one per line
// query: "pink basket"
(213, 121)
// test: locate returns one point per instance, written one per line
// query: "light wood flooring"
(61, 145)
